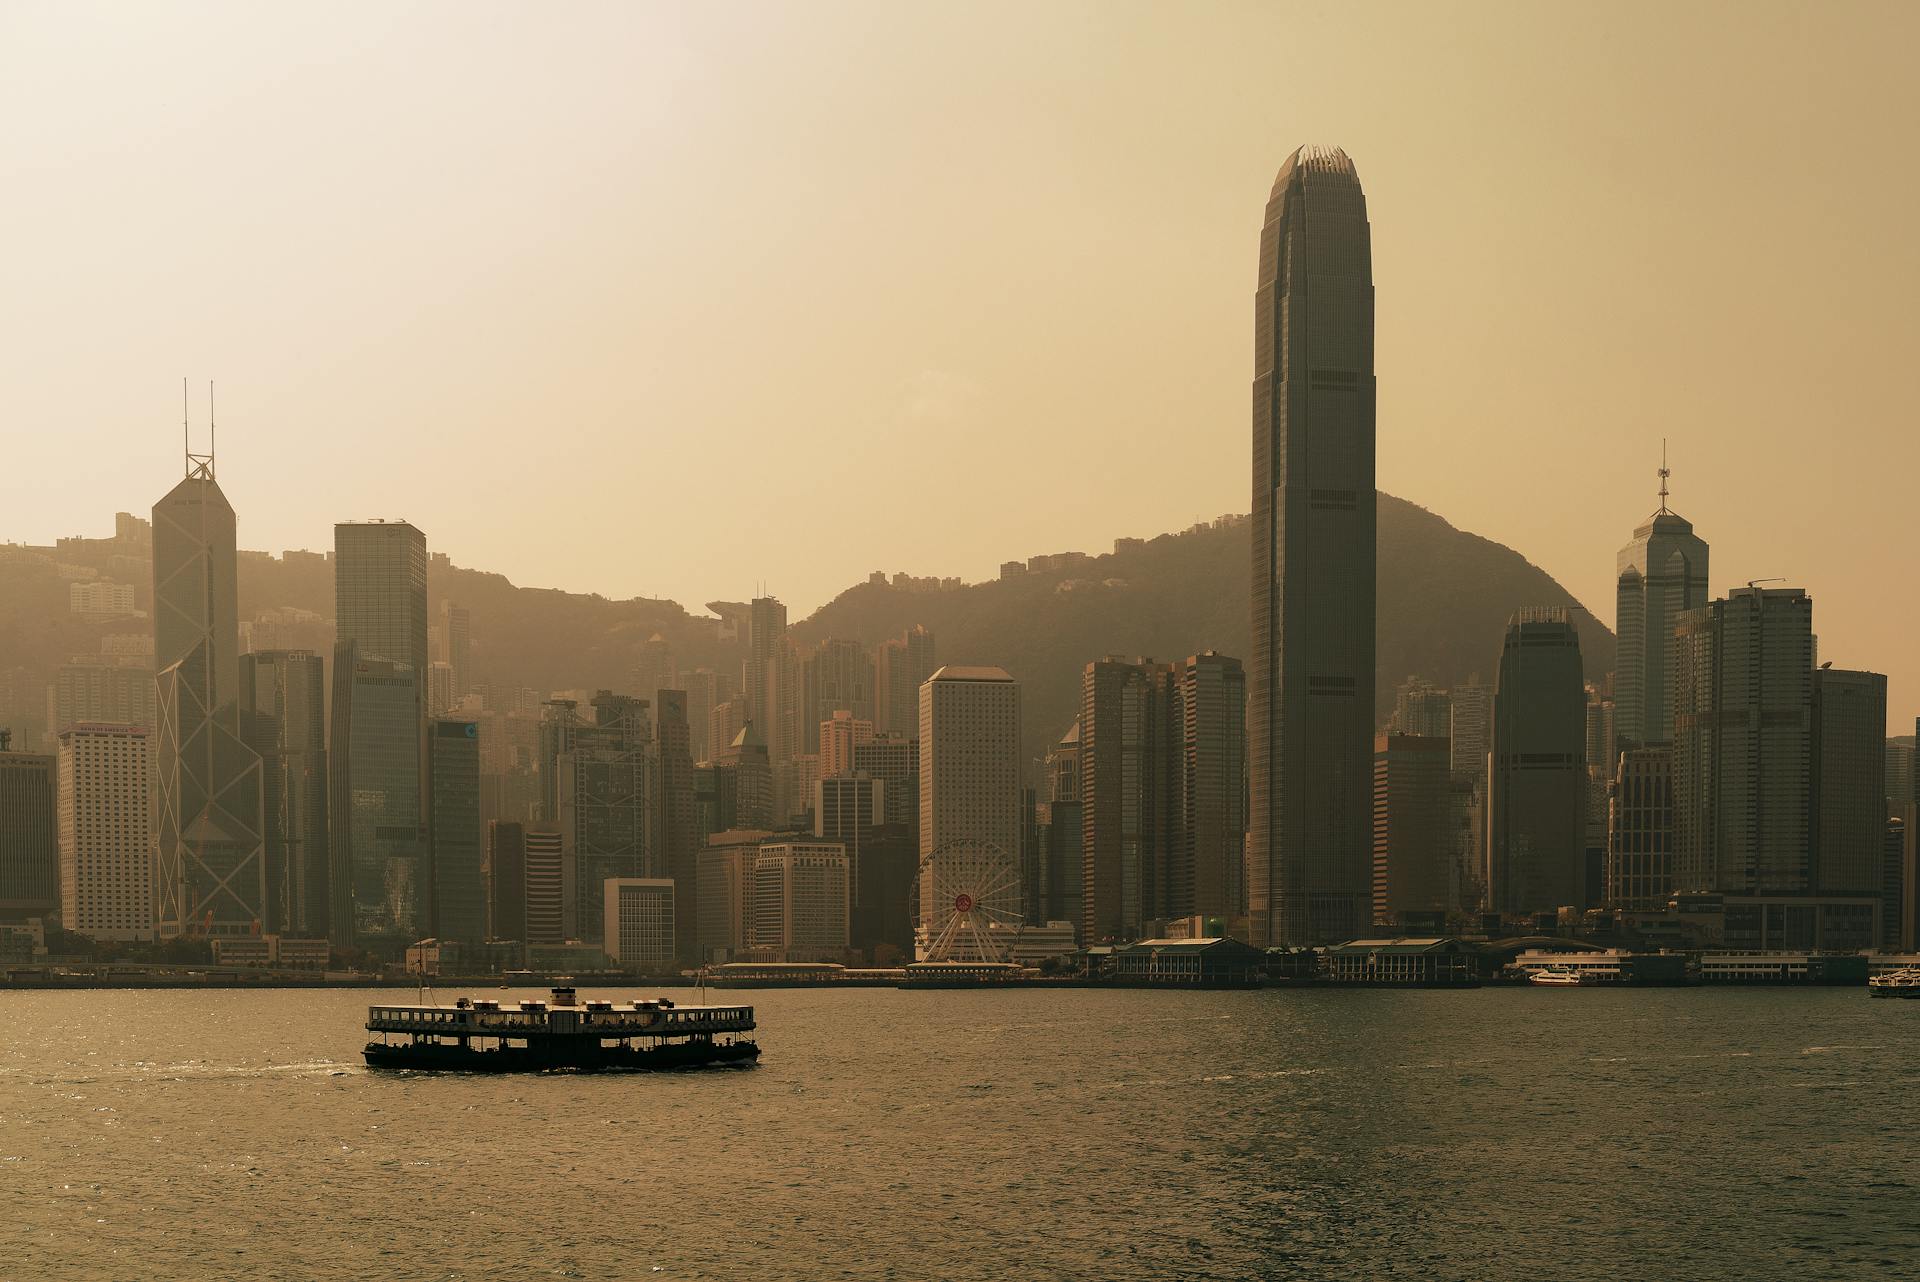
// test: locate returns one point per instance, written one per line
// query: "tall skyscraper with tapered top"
(211, 876)
(1310, 715)
(1662, 575)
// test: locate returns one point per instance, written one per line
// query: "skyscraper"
(456, 625)
(1662, 575)
(29, 840)
(970, 764)
(1536, 786)
(1412, 833)
(376, 837)
(380, 591)
(1639, 873)
(1210, 874)
(211, 875)
(283, 707)
(766, 639)
(455, 852)
(1129, 772)
(1848, 806)
(676, 842)
(1743, 744)
(597, 773)
(900, 665)
(1311, 683)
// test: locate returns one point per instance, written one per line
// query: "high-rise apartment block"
(1536, 786)
(596, 771)
(901, 665)
(1311, 683)
(106, 868)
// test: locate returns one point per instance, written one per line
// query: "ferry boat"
(477, 1035)
(1904, 982)
(1561, 977)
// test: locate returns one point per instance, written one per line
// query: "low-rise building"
(1411, 963)
(1190, 963)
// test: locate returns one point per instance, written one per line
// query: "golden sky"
(678, 300)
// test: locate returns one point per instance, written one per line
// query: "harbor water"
(1025, 1133)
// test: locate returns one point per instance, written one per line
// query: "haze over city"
(722, 705)
(628, 271)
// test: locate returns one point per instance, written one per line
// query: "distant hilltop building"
(1310, 684)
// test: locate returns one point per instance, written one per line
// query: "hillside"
(1444, 599)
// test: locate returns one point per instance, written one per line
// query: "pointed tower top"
(1665, 472)
(199, 466)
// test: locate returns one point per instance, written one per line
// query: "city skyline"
(1532, 262)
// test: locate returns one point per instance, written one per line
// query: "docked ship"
(476, 1035)
(1562, 977)
(1904, 982)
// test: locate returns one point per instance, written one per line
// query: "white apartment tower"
(106, 860)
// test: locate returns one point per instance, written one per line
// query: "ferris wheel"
(965, 903)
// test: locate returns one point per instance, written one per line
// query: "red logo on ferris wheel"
(963, 903)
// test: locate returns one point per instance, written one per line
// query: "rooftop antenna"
(1665, 472)
(199, 466)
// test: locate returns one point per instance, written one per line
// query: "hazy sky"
(676, 300)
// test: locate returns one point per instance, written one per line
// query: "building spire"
(1665, 472)
(199, 466)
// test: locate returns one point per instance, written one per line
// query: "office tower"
(380, 591)
(1129, 794)
(766, 643)
(1311, 683)
(106, 869)
(1412, 834)
(1900, 757)
(211, 871)
(376, 835)
(505, 878)
(638, 915)
(1848, 806)
(900, 666)
(1601, 730)
(970, 768)
(1536, 787)
(726, 891)
(1893, 883)
(456, 853)
(1743, 744)
(676, 840)
(439, 688)
(1662, 575)
(597, 773)
(840, 735)
(1064, 831)
(1599, 755)
(706, 691)
(835, 676)
(746, 760)
(799, 908)
(102, 691)
(1471, 722)
(846, 810)
(1639, 874)
(1210, 873)
(29, 834)
(456, 627)
(895, 761)
(656, 668)
(724, 724)
(1422, 710)
(544, 892)
(283, 709)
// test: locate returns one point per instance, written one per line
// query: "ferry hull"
(583, 1057)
